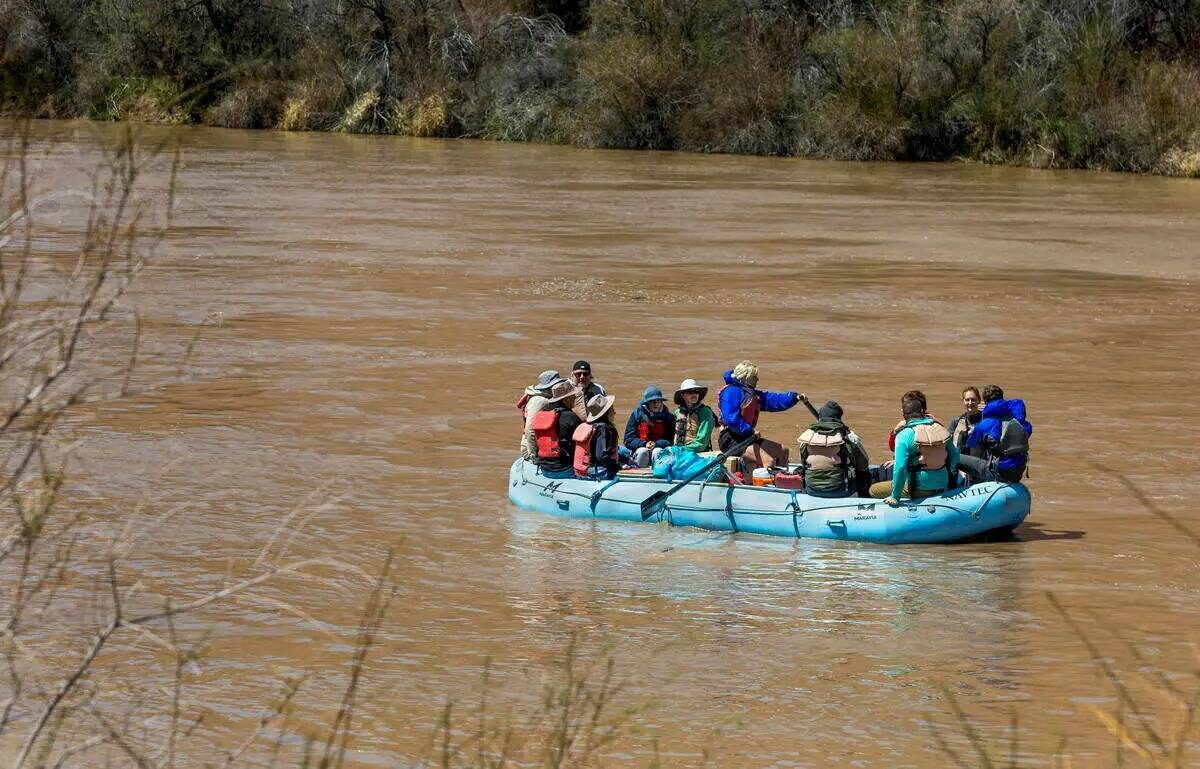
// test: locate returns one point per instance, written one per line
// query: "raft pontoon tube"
(954, 515)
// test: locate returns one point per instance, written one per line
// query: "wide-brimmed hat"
(562, 390)
(546, 380)
(598, 406)
(651, 393)
(689, 384)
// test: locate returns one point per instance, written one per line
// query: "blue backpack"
(678, 463)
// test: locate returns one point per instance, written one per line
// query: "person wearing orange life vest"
(532, 401)
(553, 428)
(596, 441)
(650, 429)
(740, 403)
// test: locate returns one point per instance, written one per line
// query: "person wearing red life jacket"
(650, 429)
(741, 403)
(553, 428)
(596, 442)
(532, 401)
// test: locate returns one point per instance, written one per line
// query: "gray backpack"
(1014, 441)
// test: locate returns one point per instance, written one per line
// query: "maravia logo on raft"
(861, 517)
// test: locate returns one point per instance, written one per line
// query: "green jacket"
(704, 420)
(832, 480)
(906, 452)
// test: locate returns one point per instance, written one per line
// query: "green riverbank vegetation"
(1105, 84)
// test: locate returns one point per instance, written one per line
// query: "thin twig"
(973, 737)
(1149, 504)
(1122, 690)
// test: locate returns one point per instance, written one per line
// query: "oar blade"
(653, 504)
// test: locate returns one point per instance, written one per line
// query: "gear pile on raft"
(940, 483)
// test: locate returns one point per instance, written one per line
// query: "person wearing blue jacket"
(650, 429)
(740, 403)
(998, 447)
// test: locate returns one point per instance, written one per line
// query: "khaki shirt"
(580, 407)
(528, 442)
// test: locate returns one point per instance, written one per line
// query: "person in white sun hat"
(694, 420)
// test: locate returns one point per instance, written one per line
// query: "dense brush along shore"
(1105, 84)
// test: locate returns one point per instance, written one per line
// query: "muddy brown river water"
(375, 306)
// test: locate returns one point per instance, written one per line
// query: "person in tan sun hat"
(596, 441)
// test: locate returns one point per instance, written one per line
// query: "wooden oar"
(655, 502)
(809, 406)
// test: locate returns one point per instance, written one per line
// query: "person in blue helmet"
(998, 447)
(740, 403)
(650, 429)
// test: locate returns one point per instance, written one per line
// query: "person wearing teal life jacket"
(926, 458)
(694, 420)
(832, 459)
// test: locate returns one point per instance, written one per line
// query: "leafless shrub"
(576, 720)
(1152, 738)
(70, 336)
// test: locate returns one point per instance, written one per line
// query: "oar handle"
(808, 404)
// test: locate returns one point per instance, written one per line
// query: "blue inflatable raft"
(955, 515)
